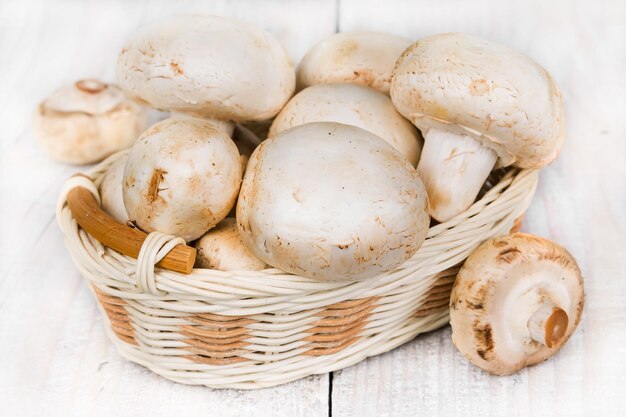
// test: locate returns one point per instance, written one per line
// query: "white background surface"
(54, 357)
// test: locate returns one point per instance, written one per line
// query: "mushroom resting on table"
(331, 202)
(476, 102)
(88, 121)
(351, 104)
(358, 57)
(515, 302)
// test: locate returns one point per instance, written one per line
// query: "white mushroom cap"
(515, 302)
(222, 248)
(355, 105)
(208, 65)
(355, 57)
(88, 121)
(485, 90)
(475, 101)
(182, 177)
(332, 202)
(111, 195)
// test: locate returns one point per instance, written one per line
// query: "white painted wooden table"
(54, 357)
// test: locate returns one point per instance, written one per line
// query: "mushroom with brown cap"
(355, 105)
(360, 57)
(475, 102)
(88, 121)
(356, 209)
(515, 302)
(182, 178)
(222, 248)
(209, 67)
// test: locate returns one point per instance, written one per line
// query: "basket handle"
(119, 237)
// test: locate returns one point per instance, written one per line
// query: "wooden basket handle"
(119, 237)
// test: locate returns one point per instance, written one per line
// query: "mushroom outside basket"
(254, 329)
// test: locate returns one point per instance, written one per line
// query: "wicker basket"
(253, 329)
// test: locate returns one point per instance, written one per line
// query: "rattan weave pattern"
(252, 329)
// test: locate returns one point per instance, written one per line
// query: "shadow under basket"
(254, 329)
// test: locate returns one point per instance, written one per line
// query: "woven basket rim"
(253, 329)
(276, 282)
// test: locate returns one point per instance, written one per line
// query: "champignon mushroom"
(182, 177)
(358, 57)
(515, 302)
(475, 102)
(355, 105)
(88, 121)
(207, 66)
(111, 195)
(222, 248)
(356, 209)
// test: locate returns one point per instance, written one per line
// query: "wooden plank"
(54, 355)
(580, 203)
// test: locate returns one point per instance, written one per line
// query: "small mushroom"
(222, 248)
(515, 302)
(358, 57)
(356, 209)
(475, 102)
(111, 195)
(88, 121)
(207, 66)
(355, 105)
(182, 177)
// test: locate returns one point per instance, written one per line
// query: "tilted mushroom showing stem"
(222, 248)
(355, 105)
(111, 194)
(331, 202)
(475, 102)
(358, 57)
(515, 302)
(88, 121)
(209, 67)
(182, 177)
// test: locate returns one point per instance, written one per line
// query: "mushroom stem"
(225, 126)
(90, 86)
(453, 168)
(548, 325)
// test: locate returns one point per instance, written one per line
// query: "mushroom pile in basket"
(343, 187)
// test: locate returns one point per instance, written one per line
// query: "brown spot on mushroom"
(483, 335)
(437, 197)
(178, 70)
(499, 243)
(479, 87)
(509, 255)
(153, 188)
(91, 86)
(563, 261)
(474, 306)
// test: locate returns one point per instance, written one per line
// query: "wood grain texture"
(54, 356)
(55, 359)
(580, 203)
